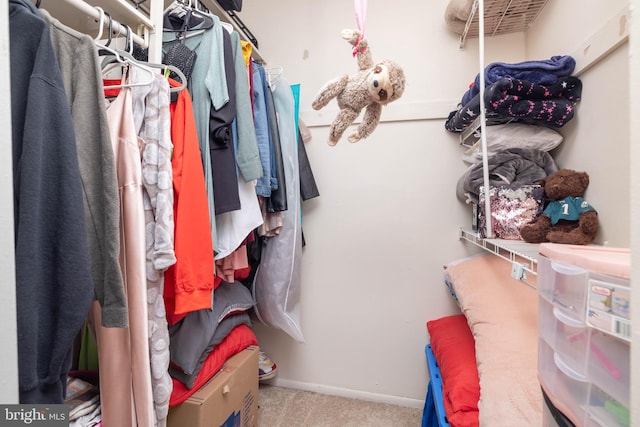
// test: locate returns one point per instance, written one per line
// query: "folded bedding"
(514, 166)
(522, 100)
(225, 327)
(514, 135)
(502, 314)
(195, 334)
(237, 340)
(546, 72)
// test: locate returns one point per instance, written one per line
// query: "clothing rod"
(141, 17)
(116, 26)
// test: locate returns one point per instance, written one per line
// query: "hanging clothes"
(207, 88)
(261, 120)
(53, 272)
(152, 120)
(223, 155)
(189, 282)
(76, 53)
(277, 201)
(123, 353)
(308, 186)
(277, 283)
(272, 221)
(233, 227)
(247, 154)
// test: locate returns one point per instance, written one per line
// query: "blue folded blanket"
(524, 101)
(545, 72)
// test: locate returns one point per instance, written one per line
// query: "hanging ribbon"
(361, 19)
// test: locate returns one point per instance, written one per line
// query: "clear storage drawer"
(563, 285)
(565, 335)
(567, 389)
(605, 411)
(609, 365)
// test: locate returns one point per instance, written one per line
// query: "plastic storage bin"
(604, 411)
(565, 335)
(609, 365)
(585, 329)
(564, 286)
(567, 389)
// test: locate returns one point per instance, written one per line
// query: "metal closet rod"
(116, 26)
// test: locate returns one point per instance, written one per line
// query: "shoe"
(266, 367)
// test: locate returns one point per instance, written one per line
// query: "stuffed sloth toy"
(568, 218)
(372, 87)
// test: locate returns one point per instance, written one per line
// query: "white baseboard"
(348, 393)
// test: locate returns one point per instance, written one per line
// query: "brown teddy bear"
(568, 218)
(372, 87)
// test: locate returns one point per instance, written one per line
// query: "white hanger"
(273, 75)
(101, 46)
(100, 24)
(122, 62)
(129, 55)
(227, 26)
(152, 76)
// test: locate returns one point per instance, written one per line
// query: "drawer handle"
(566, 319)
(567, 370)
(566, 269)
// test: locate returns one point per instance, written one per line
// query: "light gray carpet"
(285, 407)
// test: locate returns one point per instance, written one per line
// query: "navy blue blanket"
(524, 101)
(545, 72)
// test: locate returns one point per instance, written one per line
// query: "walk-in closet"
(331, 259)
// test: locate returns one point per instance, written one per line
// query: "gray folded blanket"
(511, 166)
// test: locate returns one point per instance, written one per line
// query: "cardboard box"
(229, 399)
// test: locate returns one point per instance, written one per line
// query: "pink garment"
(226, 267)
(271, 221)
(123, 353)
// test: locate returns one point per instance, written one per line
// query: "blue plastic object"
(434, 392)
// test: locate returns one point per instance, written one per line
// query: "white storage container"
(585, 328)
(609, 365)
(567, 389)
(565, 335)
(563, 285)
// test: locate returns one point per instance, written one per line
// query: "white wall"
(387, 217)
(597, 140)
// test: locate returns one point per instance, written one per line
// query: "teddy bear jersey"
(569, 208)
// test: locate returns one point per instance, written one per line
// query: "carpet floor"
(285, 407)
